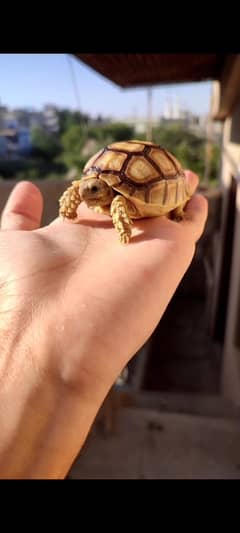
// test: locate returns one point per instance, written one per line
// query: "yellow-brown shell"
(142, 171)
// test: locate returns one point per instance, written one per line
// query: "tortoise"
(129, 180)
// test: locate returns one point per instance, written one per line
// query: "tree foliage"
(188, 147)
(69, 118)
(45, 145)
(117, 131)
(78, 138)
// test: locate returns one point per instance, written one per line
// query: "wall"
(230, 174)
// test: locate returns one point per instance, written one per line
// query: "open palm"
(95, 300)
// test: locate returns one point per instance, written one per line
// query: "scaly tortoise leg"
(178, 213)
(121, 220)
(70, 201)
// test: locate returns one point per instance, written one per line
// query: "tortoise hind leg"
(121, 219)
(70, 201)
(178, 213)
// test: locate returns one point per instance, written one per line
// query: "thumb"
(23, 210)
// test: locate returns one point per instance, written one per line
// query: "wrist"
(44, 421)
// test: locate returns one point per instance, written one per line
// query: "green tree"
(95, 132)
(45, 145)
(215, 162)
(73, 141)
(117, 131)
(188, 147)
(69, 118)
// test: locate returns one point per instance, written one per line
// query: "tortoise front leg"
(70, 201)
(121, 220)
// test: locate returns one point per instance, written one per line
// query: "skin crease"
(75, 306)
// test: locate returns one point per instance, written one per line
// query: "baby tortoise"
(129, 180)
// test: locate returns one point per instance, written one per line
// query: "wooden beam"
(227, 93)
(144, 70)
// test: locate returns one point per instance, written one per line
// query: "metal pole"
(74, 82)
(209, 147)
(149, 114)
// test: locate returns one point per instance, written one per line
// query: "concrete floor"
(153, 445)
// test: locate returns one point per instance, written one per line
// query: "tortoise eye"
(94, 188)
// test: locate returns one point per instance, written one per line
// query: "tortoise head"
(95, 192)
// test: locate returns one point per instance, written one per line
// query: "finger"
(192, 180)
(23, 210)
(196, 213)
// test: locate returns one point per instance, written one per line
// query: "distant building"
(171, 109)
(10, 120)
(3, 146)
(50, 119)
(35, 120)
(24, 141)
(15, 143)
(9, 143)
(140, 124)
(28, 118)
(174, 113)
(3, 111)
(98, 120)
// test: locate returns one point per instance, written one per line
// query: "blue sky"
(32, 80)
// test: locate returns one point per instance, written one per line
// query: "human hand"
(75, 306)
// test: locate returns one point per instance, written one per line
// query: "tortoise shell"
(144, 172)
